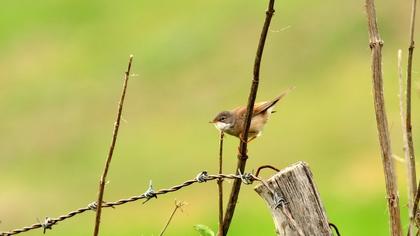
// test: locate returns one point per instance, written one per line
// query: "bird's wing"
(259, 108)
(240, 111)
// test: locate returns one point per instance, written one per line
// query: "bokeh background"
(61, 69)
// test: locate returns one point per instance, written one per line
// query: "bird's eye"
(222, 118)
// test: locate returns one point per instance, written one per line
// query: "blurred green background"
(61, 65)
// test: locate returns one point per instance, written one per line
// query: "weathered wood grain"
(303, 203)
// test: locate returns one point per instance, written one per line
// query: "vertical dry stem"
(415, 208)
(242, 155)
(111, 151)
(178, 205)
(411, 189)
(411, 165)
(376, 44)
(220, 186)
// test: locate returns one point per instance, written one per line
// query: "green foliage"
(204, 230)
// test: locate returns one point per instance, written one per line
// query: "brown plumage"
(232, 122)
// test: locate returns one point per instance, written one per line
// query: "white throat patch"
(222, 126)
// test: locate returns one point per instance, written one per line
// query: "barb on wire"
(150, 193)
(202, 177)
(247, 178)
(47, 224)
(93, 206)
(280, 203)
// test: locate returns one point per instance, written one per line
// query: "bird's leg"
(242, 139)
(252, 138)
(249, 140)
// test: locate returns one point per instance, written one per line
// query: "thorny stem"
(242, 155)
(376, 44)
(111, 150)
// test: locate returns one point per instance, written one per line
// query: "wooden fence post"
(303, 212)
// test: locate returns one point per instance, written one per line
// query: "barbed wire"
(279, 202)
(247, 178)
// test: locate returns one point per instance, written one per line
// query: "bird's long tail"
(273, 102)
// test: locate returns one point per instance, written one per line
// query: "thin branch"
(111, 150)
(178, 205)
(415, 210)
(242, 155)
(376, 44)
(409, 164)
(220, 186)
(201, 178)
(411, 161)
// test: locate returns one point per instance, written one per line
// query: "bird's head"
(224, 120)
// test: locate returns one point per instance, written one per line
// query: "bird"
(232, 121)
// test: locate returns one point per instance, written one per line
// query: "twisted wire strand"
(202, 177)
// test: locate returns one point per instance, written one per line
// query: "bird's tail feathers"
(273, 102)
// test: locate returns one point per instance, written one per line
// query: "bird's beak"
(212, 122)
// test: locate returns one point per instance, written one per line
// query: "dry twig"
(411, 161)
(220, 186)
(178, 205)
(242, 155)
(408, 93)
(111, 150)
(411, 189)
(376, 44)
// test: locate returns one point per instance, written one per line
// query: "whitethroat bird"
(232, 122)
